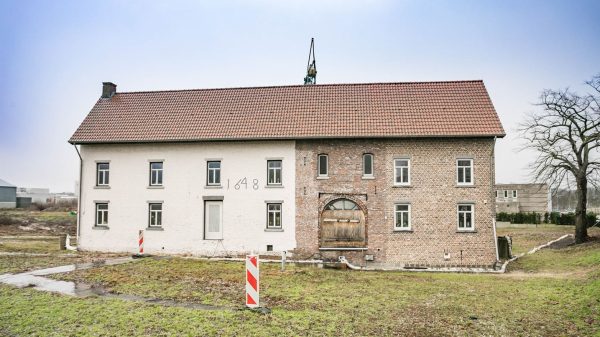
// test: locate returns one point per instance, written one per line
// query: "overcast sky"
(55, 54)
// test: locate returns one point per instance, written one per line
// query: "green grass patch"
(308, 301)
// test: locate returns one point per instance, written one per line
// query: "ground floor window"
(274, 216)
(155, 217)
(465, 217)
(402, 217)
(101, 214)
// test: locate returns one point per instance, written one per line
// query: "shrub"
(6, 220)
(569, 219)
(520, 218)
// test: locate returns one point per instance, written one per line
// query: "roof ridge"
(298, 85)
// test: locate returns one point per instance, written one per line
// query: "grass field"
(550, 293)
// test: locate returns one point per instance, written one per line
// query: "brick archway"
(342, 223)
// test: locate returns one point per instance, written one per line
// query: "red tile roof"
(417, 109)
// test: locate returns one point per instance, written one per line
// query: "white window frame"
(272, 213)
(514, 194)
(364, 166)
(104, 173)
(458, 213)
(278, 171)
(407, 213)
(101, 215)
(326, 174)
(158, 215)
(470, 167)
(212, 173)
(162, 173)
(497, 194)
(505, 194)
(399, 168)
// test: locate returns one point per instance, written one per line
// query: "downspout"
(79, 196)
(493, 204)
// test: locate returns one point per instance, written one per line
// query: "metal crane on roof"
(311, 67)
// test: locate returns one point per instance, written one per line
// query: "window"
(465, 217)
(273, 172)
(323, 163)
(402, 172)
(102, 214)
(102, 170)
(514, 194)
(342, 204)
(402, 217)
(496, 194)
(156, 174)
(155, 216)
(464, 169)
(367, 165)
(273, 216)
(213, 173)
(505, 194)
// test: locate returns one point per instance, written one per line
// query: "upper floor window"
(465, 217)
(323, 163)
(402, 217)
(156, 173)
(496, 194)
(402, 171)
(274, 216)
(367, 165)
(505, 194)
(514, 194)
(213, 173)
(101, 214)
(274, 172)
(464, 170)
(102, 172)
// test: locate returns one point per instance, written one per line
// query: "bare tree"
(565, 133)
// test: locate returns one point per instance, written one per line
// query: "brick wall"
(433, 196)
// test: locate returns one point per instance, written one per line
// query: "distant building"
(514, 198)
(8, 195)
(37, 195)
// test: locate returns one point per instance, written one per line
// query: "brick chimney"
(108, 89)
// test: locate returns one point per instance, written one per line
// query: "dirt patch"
(27, 222)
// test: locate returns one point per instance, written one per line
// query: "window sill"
(368, 178)
(402, 186)
(322, 177)
(273, 186)
(154, 229)
(465, 185)
(273, 229)
(466, 231)
(102, 187)
(213, 187)
(101, 228)
(157, 187)
(402, 230)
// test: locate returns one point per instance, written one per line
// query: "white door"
(213, 220)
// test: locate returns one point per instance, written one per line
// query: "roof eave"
(117, 141)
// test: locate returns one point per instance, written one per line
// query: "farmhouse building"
(390, 174)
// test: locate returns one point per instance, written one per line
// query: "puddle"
(36, 280)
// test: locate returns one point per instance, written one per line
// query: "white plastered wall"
(184, 181)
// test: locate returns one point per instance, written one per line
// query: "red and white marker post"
(252, 281)
(141, 242)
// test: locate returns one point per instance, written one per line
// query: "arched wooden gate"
(343, 225)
